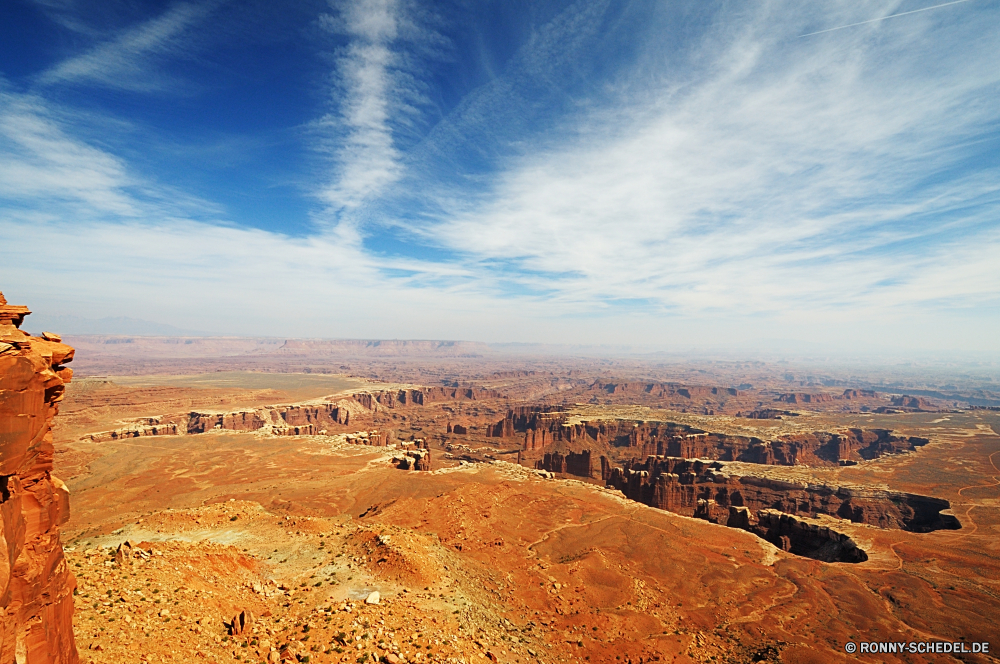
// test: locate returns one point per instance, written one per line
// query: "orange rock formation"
(36, 586)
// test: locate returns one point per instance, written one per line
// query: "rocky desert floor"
(333, 554)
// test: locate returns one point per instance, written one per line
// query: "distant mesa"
(918, 404)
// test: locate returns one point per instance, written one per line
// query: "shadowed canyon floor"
(482, 559)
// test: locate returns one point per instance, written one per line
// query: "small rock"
(240, 623)
(392, 659)
(373, 598)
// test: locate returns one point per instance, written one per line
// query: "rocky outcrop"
(240, 623)
(527, 420)
(798, 535)
(147, 426)
(705, 399)
(419, 459)
(374, 438)
(36, 586)
(294, 419)
(789, 533)
(918, 404)
(308, 418)
(372, 399)
(802, 397)
(677, 485)
(766, 414)
(572, 463)
(663, 390)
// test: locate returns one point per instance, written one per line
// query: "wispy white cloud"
(84, 235)
(775, 188)
(41, 163)
(777, 175)
(124, 61)
(365, 156)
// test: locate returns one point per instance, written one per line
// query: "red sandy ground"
(492, 561)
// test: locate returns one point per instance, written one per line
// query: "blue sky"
(662, 174)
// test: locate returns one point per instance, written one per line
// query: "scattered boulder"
(373, 598)
(124, 552)
(240, 623)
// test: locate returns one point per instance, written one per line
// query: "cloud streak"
(882, 18)
(40, 161)
(123, 62)
(365, 158)
(783, 175)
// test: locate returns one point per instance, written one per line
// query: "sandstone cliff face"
(301, 419)
(677, 485)
(543, 428)
(423, 395)
(663, 390)
(802, 397)
(571, 463)
(36, 586)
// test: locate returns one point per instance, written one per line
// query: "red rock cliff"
(36, 586)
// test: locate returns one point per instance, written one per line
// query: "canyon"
(251, 502)
(543, 428)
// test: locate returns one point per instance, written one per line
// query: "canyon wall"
(818, 448)
(542, 428)
(572, 463)
(293, 419)
(677, 485)
(663, 390)
(36, 586)
(423, 395)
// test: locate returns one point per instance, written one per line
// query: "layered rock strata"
(36, 586)
(147, 426)
(795, 534)
(663, 390)
(419, 459)
(301, 419)
(543, 428)
(677, 485)
(572, 463)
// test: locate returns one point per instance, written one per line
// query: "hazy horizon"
(691, 177)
